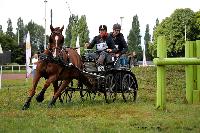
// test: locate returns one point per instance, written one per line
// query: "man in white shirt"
(34, 62)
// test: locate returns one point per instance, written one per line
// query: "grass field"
(98, 116)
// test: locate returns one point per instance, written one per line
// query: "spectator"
(34, 62)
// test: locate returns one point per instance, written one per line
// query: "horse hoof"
(61, 101)
(26, 106)
(52, 103)
(39, 98)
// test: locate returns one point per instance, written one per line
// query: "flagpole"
(78, 45)
(144, 63)
(0, 76)
(28, 56)
(45, 19)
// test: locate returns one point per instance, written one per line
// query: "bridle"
(55, 44)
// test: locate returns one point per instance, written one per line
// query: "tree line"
(181, 25)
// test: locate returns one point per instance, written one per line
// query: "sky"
(97, 12)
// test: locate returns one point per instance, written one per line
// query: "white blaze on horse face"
(55, 52)
(56, 38)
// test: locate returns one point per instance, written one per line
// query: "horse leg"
(56, 87)
(40, 96)
(31, 92)
(64, 84)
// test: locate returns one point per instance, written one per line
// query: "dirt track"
(13, 76)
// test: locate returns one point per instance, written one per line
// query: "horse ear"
(51, 27)
(62, 28)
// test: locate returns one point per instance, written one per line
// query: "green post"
(198, 66)
(196, 92)
(194, 66)
(189, 72)
(161, 74)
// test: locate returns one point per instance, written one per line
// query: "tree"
(68, 31)
(197, 14)
(173, 28)
(134, 38)
(77, 27)
(152, 47)
(1, 30)
(74, 31)
(147, 39)
(154, 28)
(83, 30)
(36, 36)
(21, 28)
(10, 29)
(8, 44)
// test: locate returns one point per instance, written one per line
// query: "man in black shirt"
(119, 40)
(121, 45)
(104, 44)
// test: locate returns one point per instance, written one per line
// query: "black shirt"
(120, 42)
(109, 41)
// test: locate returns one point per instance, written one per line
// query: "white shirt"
(34, 60)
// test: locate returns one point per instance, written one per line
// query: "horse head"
(56, 40)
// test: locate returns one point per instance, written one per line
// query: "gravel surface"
(13, 76)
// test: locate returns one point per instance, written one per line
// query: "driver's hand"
(86, 45)
(117, 55)
(109, 50)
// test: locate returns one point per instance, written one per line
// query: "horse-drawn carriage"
(64, 64)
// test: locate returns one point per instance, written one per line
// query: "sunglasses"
(102, 29)
(117, 30)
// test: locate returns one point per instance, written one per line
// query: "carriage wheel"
(129, 87)
(68, 94)
(86, 93)
(110, 93)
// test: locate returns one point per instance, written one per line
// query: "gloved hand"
(86, 45)
(117, 55)
(109, 50)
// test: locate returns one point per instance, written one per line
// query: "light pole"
(185, 33)
(121, 21)
(17, 35)
(45, 38)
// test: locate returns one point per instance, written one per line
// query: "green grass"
(96, 115)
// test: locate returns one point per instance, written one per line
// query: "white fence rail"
(13, 67)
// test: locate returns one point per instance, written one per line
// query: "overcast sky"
(97, 12)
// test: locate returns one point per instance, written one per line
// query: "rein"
(56, 60)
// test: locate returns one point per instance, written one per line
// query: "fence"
(192, 70)
(12, 68)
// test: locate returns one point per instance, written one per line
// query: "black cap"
(102, 27)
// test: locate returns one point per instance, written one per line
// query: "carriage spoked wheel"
(86, 94)
(68, 94)
(129, 87)
(110, 93)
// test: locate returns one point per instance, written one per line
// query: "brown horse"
(54, 65)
